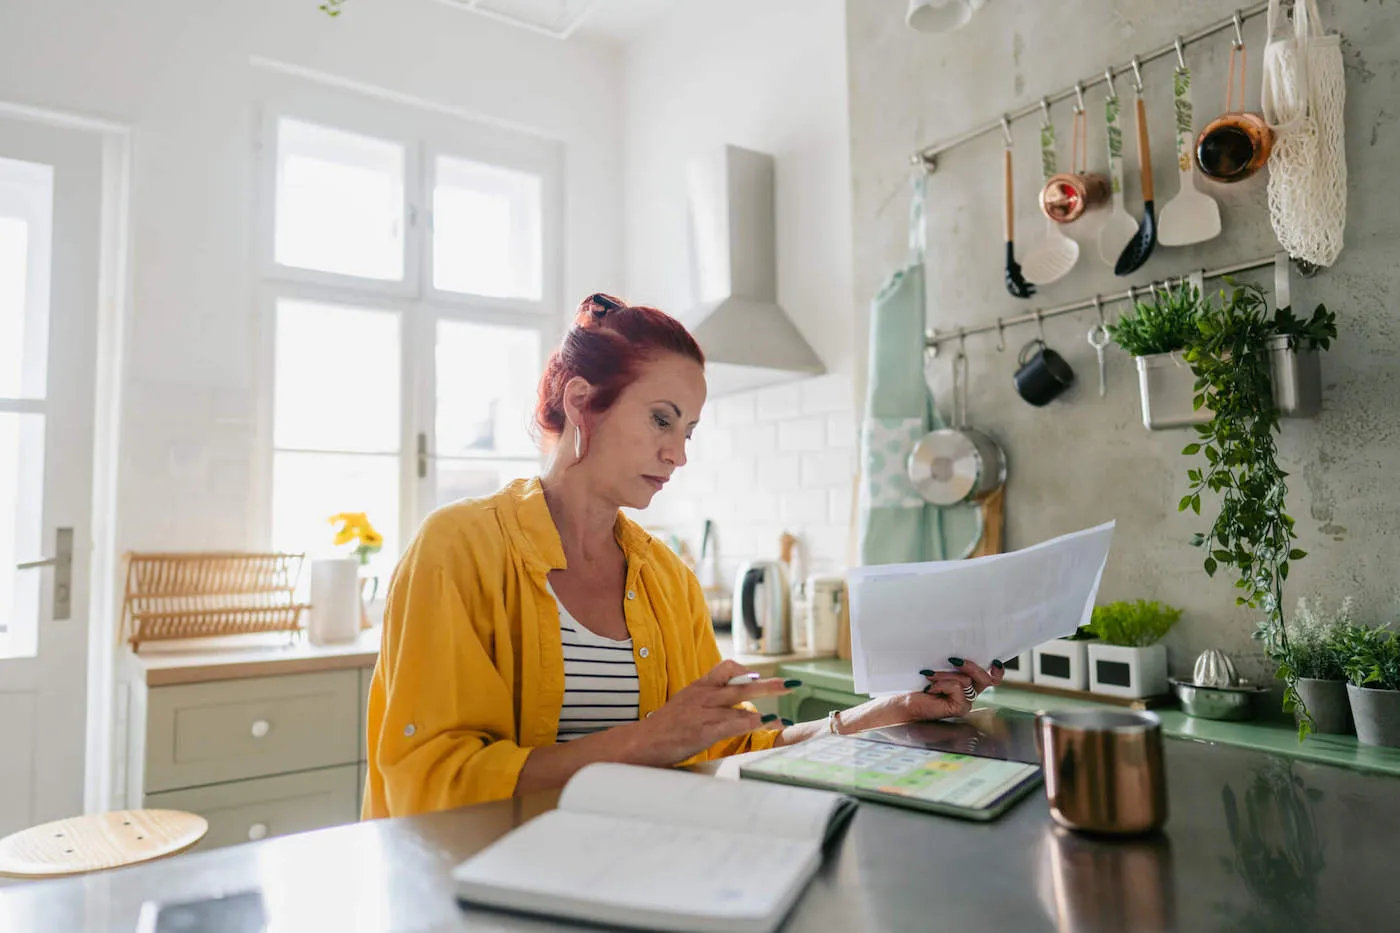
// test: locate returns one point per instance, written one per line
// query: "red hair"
(607, 345)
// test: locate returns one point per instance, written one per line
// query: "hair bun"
(599, 304)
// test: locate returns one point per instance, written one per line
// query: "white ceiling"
(614, 21)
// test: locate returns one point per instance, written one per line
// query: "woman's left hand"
(950, 693)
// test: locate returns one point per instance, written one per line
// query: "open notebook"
(660, 850)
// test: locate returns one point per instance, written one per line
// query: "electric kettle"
(762, 608)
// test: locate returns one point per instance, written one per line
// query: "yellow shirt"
(470, 675)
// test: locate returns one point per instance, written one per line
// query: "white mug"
(940, 15)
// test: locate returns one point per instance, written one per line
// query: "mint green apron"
(896, 524)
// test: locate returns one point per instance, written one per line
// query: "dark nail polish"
(926, 672)
(928, 688)
(998, 665)
(787, 722)
(792, 683)
(956, 662)
(770, 717)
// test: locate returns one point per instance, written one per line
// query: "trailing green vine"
(1252, 533)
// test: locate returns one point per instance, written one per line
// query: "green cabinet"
(826, 685)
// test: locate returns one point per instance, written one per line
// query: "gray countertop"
(1253, 842)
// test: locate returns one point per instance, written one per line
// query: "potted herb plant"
(1252, 532)
(1064, 662)
(1128, 659)
(1156, 333)
(1314, 660)
(1371, 659)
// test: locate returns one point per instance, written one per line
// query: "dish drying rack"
(210, 594)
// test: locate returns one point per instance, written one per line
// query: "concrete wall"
(1084, 459)
(769, 77)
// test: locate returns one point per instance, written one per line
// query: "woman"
(539, 630)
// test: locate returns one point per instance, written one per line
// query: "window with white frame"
(410, 276)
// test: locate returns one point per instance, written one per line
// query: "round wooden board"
(98, 841)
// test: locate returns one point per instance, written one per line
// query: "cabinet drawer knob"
(261, 728)
(257, 831)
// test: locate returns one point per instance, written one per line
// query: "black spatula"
(1139, 248)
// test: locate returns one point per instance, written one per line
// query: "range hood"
(748, 339)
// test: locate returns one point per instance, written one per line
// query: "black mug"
(1043, 374)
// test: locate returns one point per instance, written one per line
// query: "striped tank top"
(600, 679)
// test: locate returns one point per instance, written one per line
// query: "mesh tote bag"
(1303, 94)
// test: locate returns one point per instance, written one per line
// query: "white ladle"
(1050, 259)
(1120, 229)
(1192, 216)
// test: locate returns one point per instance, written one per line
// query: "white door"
(50, 206)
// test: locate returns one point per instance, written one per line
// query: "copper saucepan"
(1236, 144)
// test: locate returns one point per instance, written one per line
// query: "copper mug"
(1103, 770)
(1234, 146)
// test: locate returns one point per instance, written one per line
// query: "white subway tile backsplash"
(828, 469)
(734, 410)
(711, 441)
(756, 440)
(827, 394)
(804, 506)
(841, 429)
(779, 471)
(760, 506)
(735, 476)
(841, 498)
(777, 403)
(802, 435)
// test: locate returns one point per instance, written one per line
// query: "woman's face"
(634, 447)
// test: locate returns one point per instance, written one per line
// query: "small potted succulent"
(1371, 659)
(1063, 662)
(1128, 659)
(1156, 333)
(1313, 654)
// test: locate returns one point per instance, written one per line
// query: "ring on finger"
(970, 691)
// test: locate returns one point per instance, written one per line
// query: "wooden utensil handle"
(1144, 151)
(1010, 206)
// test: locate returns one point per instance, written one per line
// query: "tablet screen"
(923, 776)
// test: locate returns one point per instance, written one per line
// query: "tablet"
(924, 779)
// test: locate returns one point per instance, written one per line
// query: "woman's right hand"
(701, 714)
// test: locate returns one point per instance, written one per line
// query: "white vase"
(1127, 672)
(1062, 663)
(335, 601)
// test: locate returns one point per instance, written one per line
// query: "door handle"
(422, 456)
(62, 563)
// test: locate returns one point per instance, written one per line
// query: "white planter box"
(1018, 669)
(1128, 672)
(1062, 663)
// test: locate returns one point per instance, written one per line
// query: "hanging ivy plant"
(1253, 532)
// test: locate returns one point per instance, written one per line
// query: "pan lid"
(945, 467)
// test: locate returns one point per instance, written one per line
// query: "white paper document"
(906, 617)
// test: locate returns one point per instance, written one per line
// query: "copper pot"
(1066, 196)
(1103, 770)
(1234, 146)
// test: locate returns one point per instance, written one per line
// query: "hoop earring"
(578, 443)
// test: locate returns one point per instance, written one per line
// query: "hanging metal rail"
(928, 156)
(933, 339)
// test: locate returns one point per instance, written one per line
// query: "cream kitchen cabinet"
(260, 741)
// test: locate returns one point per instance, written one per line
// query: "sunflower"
(356, 527)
